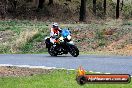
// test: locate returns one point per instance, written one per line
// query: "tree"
(94, 7)
(122, 4)
(117, 9)
(2, 10)
(104, 7)
(50, 2)
(15, 4)
(83, 10)
(40, 5)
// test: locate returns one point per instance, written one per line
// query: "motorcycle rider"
(55, 31)
(59, 42)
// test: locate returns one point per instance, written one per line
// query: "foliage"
(127, 11)
(23, 37)
(61, 10)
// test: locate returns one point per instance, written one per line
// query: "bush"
(127, 11)
(99, 34)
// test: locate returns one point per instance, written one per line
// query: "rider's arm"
(51, 33)
(60, 30)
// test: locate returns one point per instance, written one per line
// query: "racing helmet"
(55, 25)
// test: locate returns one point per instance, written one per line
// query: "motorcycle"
(62, 45)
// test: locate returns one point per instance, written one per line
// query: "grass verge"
(55, 79)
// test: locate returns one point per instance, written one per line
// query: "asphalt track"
(95, 63)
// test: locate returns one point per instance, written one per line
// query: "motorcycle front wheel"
(73, 50)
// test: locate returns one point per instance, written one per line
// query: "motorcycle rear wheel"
(74, 51)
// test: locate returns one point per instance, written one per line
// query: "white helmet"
(55, 25)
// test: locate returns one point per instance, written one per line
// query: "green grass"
(56, 79)
(19, 26)
(29, 46)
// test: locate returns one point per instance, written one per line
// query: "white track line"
(71, 69)
(28, 66)
(44, 67)
(98, 72)
(107, 73)
(91, 71)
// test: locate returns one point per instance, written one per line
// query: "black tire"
(52, 51)
(81, 80)
(73, 50)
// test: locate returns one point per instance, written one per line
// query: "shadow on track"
(57, 56)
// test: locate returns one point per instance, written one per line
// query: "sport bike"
(63, 44)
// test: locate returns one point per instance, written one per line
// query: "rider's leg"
(52, 40)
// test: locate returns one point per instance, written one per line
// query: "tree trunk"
(104, 7)
(14, 4)
(122, 4)
(35, 3)
(94, 7)
(117, 9)
(50, 2)
(83, 10)
(41, 2)
(2, 10)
